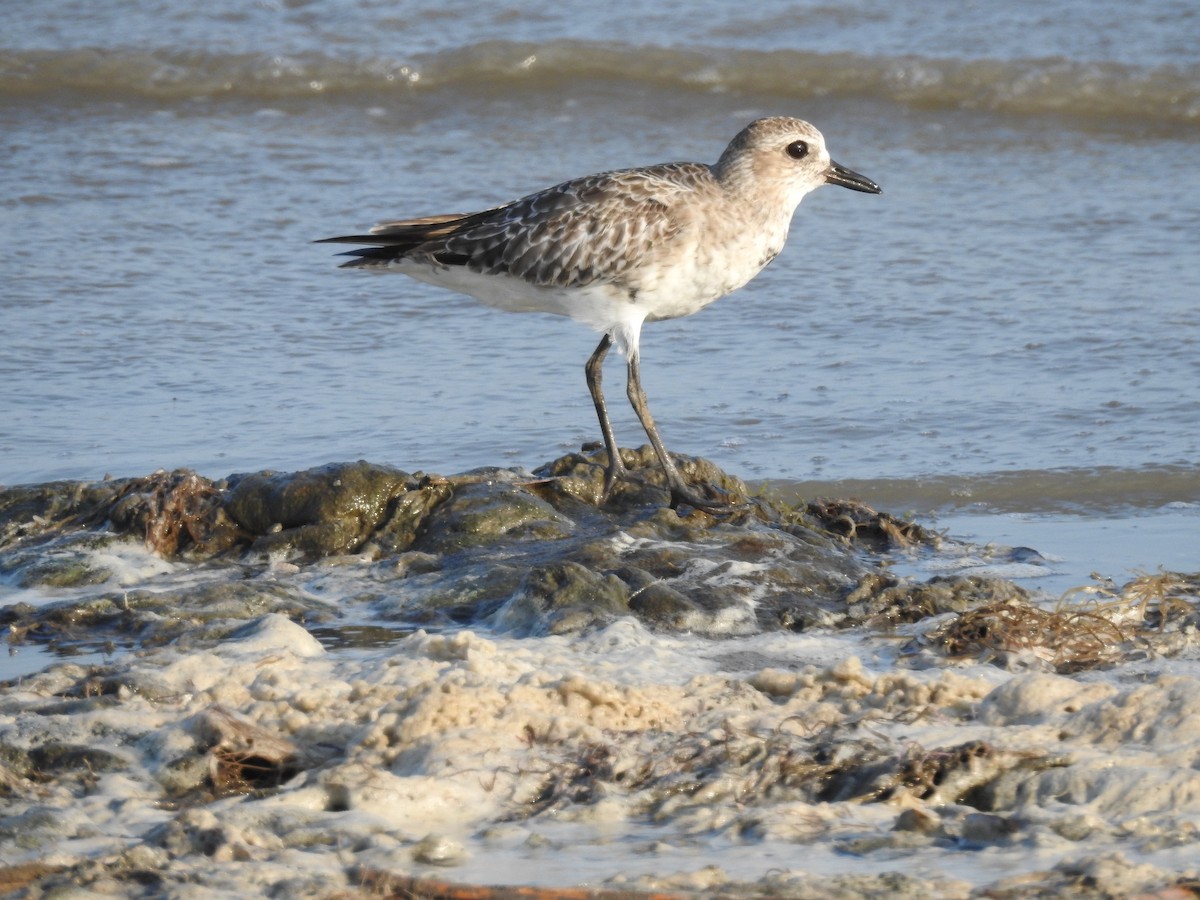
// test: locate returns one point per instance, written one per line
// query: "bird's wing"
(593, 229)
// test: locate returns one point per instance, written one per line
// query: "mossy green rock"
(328, 510)
(485, 512)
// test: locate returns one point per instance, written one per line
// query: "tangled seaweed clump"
(1151, 614)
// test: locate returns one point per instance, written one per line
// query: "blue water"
(1021, 298)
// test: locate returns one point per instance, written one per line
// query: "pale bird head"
(785, 153)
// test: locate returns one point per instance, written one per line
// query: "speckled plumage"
(619, 248)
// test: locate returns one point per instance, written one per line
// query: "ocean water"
(1007, 340)
(1021, 298)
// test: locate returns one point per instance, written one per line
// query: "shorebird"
(621, 248)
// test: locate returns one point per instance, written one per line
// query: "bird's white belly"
(603, 307)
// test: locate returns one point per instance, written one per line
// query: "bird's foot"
(716, 501)
(706, 497)
(614, 473)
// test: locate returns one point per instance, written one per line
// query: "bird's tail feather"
(390, 241)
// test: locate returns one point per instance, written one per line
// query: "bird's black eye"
(797, 149)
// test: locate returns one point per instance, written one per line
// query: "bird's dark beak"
(848, 178)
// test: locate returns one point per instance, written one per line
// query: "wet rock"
(537, 553)
(318, 512)
(855, 521)
(439, 850)
(1101, 875)
(895, 842)
(53, 759)
(882, 599)
(62, 557)
(400, 529)
(192, 831)
(661, 605)
(28, 511)
(951, 775)
(171, 511)
(563, 597)
(983, 829)
(487, 511)
(15, 767)
(580, 476)
(36, 826)
(23, 767)
(175, 511)
(60, 567)
(185, 615)
(1079, 827)
(465, 589)
(918, 820)
(734, 576)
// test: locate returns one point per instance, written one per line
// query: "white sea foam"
(433, 744)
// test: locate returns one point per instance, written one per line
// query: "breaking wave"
(1168, 94)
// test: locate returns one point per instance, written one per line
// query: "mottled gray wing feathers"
(593, 229)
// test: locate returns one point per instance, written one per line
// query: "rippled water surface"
(1022, 297)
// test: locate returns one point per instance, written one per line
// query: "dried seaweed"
(244, 757)
(1070, 640)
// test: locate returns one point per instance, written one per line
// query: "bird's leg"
(680, 491)
(595, 374)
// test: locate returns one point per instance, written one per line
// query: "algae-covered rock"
(33, 509)
(170, 511)
(323, 511)
(884, 599)
(854, 520)
(54, 758)
(70, 563)
(541, 550)
(407, 517)
(563, 597)
(175, 511)
(659, 604)
(580, 476)
(486, 511)
(185, 614)
(532, 553)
